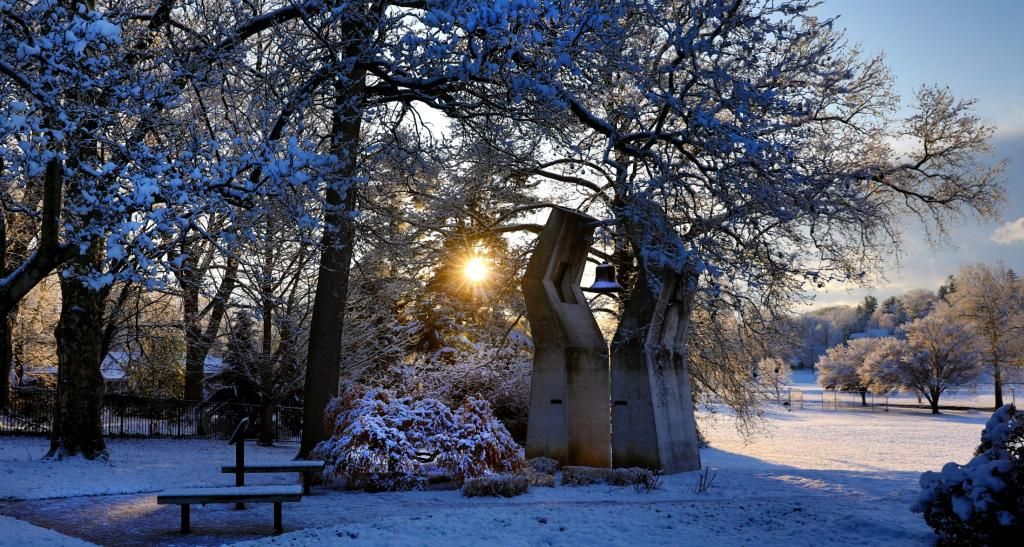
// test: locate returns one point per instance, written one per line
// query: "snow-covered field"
(814, 477)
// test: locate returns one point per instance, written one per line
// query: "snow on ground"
(20, 533)
(814, 477)
(841, 478)
(135, 465)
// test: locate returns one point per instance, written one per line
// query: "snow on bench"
(229, 494)
(305, 468)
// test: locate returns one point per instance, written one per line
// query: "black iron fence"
(31, 412)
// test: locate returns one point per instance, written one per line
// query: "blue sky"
(977, 49)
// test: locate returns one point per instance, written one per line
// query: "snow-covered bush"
(982, 502)
(505, 485)
(540, 479)
(479, 443)
(380, 441)
(500, 375)
(574, 475)
(547, 466)
(838, 368)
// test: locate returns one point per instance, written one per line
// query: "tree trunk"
(863, 397)
(933, 400)
(266, 378)
(268, 431)
(6, 347)
(199, 339)
(997, 378)
(195, 348)
(327, 323)
(6, 358)
(77, 426)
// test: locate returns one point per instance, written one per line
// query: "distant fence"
(796, 399)
(830, 399)
(31, 412)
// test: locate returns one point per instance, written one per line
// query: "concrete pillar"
(653, 425)
(569, 405)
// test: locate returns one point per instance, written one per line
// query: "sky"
(975, 48)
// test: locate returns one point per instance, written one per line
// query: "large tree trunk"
(327, 323)
(196, 347)
(77, 426)
(198, 338)
(21, 271)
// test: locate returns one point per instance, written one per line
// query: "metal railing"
(31, 412)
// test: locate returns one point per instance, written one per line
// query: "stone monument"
(653, 424)
(643, 416)
(569, 411)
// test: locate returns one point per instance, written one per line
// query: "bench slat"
(279, 467)
(228, 494)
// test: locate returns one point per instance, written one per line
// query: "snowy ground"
(816, 477)
(21, 533)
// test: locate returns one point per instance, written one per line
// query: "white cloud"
(1011, 123)
(1009, 233)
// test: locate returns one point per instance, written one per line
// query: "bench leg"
(278, 528)
(185, 514)
(307, 482)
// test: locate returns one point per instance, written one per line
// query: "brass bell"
(604, 280)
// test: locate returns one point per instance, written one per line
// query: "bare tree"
(992, 300)
(946, 355)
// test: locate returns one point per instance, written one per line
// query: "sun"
(475, 270)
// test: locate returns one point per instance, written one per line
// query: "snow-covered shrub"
(380, 441)
(547, 466)
(480, 443)
(540, 479)
(505, 485)
(575, 475)
(982, 502)
(500, 375)
(630, 476)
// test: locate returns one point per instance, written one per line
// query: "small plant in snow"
(540, 479)
(384, 442)
(648, 482)
(982, 502)
(502, 485)
(575, 475)
(704, 481)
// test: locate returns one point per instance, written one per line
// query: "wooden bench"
(230, 494)
(305, 469)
